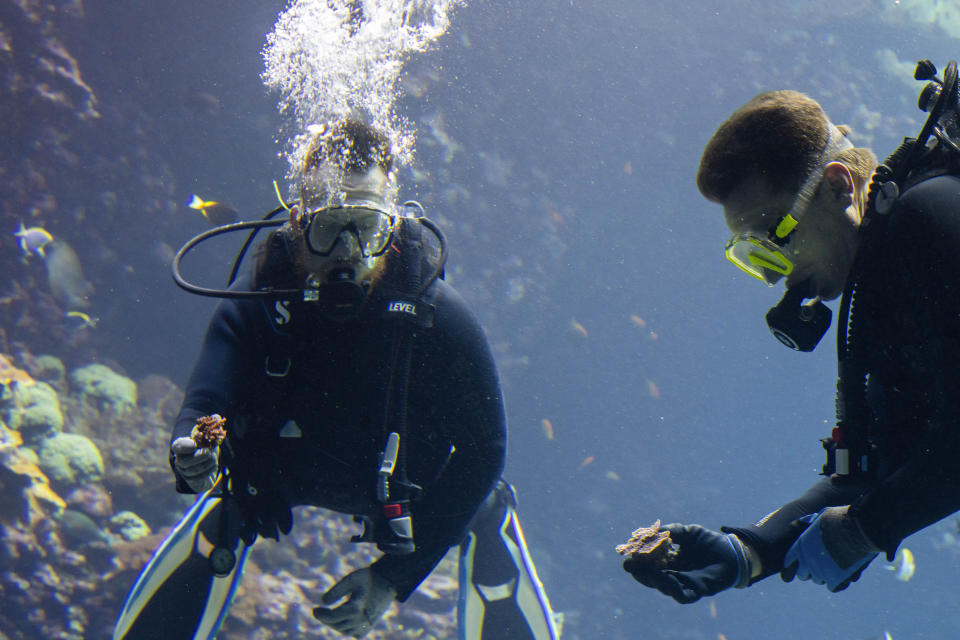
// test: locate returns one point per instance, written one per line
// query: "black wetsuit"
(315, 435)
(908, 313)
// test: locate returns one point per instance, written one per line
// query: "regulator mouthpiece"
(797, 325)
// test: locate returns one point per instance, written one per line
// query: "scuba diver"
(807, 207)
(343, 373)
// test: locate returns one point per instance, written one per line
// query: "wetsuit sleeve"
(221, 366)
(469, 412)
(773, 534)
(926, 232)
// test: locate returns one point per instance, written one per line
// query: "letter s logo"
(283, 314)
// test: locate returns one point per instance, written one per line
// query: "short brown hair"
(778, 135)
(352, 145)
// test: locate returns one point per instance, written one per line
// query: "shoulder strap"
(405, 295)
(274, 268)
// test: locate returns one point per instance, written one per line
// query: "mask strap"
(836, 143)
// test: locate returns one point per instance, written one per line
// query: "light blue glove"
(832, 550)
(368, 596)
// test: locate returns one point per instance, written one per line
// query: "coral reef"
(129, 526)
(284, 582)
(105, 388)
(86, 501)
(49, 369)
(69, 459)
(31, 409)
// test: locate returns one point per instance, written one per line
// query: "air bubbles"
(332, 59)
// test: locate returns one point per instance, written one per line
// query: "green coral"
(8, 438)
(33, 410)
(49, 369)
(101, 386)
(129, 526)
(69, 459)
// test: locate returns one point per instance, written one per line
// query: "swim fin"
(501, 597)
(186, 588)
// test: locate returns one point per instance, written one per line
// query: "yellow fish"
(903, 565)
(215, 212)
(81, 320)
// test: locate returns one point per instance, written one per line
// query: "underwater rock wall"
(78, 169)
(86, 497)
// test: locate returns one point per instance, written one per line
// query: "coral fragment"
(651, 546)
(209, 431)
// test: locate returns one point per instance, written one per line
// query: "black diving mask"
(371, 228)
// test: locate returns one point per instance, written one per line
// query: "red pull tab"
(392, 510)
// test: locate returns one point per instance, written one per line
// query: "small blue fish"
(33, 240)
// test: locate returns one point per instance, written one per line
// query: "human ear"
(839, 180)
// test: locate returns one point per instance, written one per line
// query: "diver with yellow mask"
(808, 208)
(351, 377)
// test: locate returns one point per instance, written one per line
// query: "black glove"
(707, 563)
(259, 492)
(368, 596)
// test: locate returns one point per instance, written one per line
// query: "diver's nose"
(346, 246)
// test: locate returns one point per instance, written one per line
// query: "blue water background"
(571, 198)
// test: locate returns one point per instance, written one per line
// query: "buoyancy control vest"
(402, 299)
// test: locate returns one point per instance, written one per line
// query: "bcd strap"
(407, 266)
(275, 268)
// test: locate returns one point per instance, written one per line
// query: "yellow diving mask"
(767, 257)
(764, 258)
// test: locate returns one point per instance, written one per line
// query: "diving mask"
(371, 228)
(763, 258)
(768, 258)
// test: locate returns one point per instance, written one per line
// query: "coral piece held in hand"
(650, 545)
(209, 431)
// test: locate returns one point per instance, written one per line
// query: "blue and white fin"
(501, 596)
(178, 595)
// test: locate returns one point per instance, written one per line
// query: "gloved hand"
(368, 596)
(198, 467)
(832, 550)
(708, 563)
